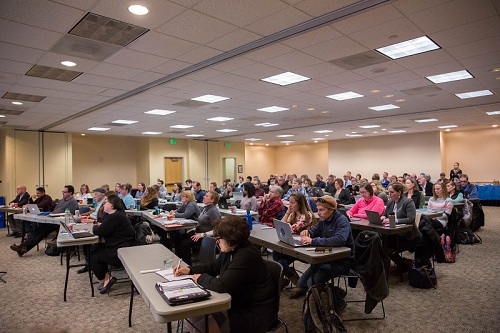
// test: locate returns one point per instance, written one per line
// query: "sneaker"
(301, 292)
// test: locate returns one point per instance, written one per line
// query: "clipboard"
(182, 291)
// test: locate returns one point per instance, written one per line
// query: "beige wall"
(478, 153)
(8, 185)
(237, 151)
(309, 159)
(260, 161)
(104, 159)
(396, 154)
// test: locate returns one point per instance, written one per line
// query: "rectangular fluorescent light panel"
(284, 136)
(323, 131)
(285, 79)
(126, 122)
(344, 96)
(151, 133)
(99, 129)
(286, 141)
(398, 131)
(227, 130)
(159, 112)
(195, 135)
(448, 126)
(252, 139)
(473, 94)
(210, 98)
(353, 135)
(448, 77)
(384, 107)
(266, 124)
(408, 48)
(493, 113)
(220, 119)
(369, 126)
(428, 120)
(273, 109)
(181, 126)
(317, 139)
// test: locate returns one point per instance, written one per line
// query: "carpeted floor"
(467, 298)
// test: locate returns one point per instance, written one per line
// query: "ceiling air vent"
(191, 104)
(53, 73)
(10, 112)
(421, 90)
(360, 60)
(23, 97)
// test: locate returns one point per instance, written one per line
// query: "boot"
(294, 278)
(20, 249)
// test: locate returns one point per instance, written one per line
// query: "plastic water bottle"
(249, 220)
(67, 216)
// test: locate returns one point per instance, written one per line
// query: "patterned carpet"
(467, 298)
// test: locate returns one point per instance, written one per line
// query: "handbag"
(423, 277)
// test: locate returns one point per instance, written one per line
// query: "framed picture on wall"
(240, 168)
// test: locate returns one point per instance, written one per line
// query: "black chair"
(207, 250)
(84, 210)
(276, 272)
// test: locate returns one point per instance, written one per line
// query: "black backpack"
(477, 217)
(318, 311)
(143, 233)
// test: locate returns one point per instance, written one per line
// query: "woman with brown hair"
(150, 198)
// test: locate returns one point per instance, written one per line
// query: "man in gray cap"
(99, 194)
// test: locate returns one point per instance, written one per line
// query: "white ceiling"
(184, 34)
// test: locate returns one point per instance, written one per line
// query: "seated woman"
(228, 193)
(141, 188)
(440, 203)
(184, 242)
(368, 201)
(341, 194)
(454, 192)
(404, 210)
(84, 194)
(300, 216)
(176, 192)
(413, 192)
(222, 189)
(379, 190)
(150, 199)
(308, 187)
(240, 271)
(117, 232)
(249, 201)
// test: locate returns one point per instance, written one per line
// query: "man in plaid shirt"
(271, 206)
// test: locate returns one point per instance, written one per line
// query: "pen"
(178, 265)
(149, 271)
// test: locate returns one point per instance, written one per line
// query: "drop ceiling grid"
(467, 33)
(136, 59)
(19, 53)
(24, 35)
(98, 80)
(278, 21)
(335, 49)
(293, 61)
(475, 48)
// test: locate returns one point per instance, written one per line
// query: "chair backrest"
(418, 216)
(84, 210)
(207, 249)
(275, 271)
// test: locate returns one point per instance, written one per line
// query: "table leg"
(206, 324)
(132, 290)
(68, 251)
(89, 270)
(169, 327)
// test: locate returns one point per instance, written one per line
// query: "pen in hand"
(177, 267)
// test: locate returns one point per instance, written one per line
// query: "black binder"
(182, 291)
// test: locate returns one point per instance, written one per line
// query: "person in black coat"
(341, 194)
(241, 272)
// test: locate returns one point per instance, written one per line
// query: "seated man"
(319, 181)
(99, 194)
(162, 192)
(198, 192)
(296, 187)
(126, 197)
(469, 190)
(330, 184)
(213, 187)
(332, 230)
(44, 203)
(425, 184)
(282, 181)
(22, 197)
(44, 229)
(271, 206)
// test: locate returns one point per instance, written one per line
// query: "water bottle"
(67, 216)
(249, 220)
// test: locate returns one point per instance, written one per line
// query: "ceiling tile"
(279, 21)
(233, 40)
(20, 34)
(135, 59)
(161, 45)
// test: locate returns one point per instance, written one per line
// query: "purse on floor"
(423, 277)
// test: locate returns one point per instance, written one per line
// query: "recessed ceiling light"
(384, 129)
(159, 112)
(195, 135)
(495, 69)
(369, 126)
(99, 129)
(311, 109)
(266, 124)
(326, 135)
(473, 94)
(181, 126)
(285, 79)
(126, 122)
(318, 139)
(2, 116)
(210, 98)
(83, 134)
(251, 143)
(284, 136)
(220, 119)
(397, 131)
(353, 132)
(294, 105)
(138, 10)
(227, 130)
(375, 132)
(408, 48)
(324, 112)
(252, 139)
(17, 103)
(493, 113)
(267, 144)
(273, 109)
(68, 63)
(494, 125)
(287, 142)
(448, 77)
(384, 107)
(447, 130)
(315, 141)
(427, 120)
(151, 133)
(388, 96)
(401, 100)
(353, 135)
(375, 91)
(344, 96)
(323, 131)
(448, 126)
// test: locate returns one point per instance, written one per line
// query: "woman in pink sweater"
(368, 201)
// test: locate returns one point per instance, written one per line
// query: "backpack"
(52, 249)
(467, 212)
(318, 311)
(143, 233)
(467, 236)
(450, 255)
(477, 217)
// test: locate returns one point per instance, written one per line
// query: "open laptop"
(373, 217)
(33, 209)
(343, 211)
(238, 196)
(223, 203)
(284, 232)
(76, 234)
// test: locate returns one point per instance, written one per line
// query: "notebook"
(181, 291)
(33, 209)
(285, 234)
(223, 203)
(76, 234)
(373, 217)
(238, 196)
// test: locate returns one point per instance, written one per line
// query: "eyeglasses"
(463, 181)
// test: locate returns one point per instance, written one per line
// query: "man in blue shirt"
(319, 181)
(469, 190)
(126, 197)
(295, 188)
(385, 180)
(198, 192)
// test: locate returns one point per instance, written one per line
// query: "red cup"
(169, 217)
(16, 205)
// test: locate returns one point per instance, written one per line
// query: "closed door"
(173, 171)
